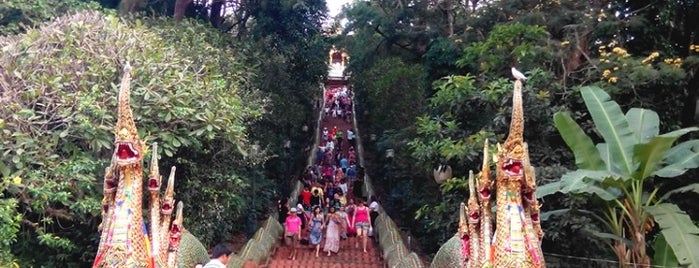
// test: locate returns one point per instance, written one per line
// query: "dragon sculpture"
(126, 240)
(513, 239)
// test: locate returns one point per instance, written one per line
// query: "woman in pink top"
(292, 231)
(362, 222)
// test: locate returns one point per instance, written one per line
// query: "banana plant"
(625, 172)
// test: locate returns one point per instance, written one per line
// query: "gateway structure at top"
(337, 62)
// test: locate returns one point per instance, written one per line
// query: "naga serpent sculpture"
(514, 238)
(126, 240)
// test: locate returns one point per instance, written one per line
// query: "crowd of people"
(329, 227)
(326, 213)
(338, 103)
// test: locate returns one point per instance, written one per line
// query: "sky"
(335, 6)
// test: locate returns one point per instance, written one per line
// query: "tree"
(16, 16)
(619, 172)
(56, 126)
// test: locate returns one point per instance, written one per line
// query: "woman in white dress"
(332, 232)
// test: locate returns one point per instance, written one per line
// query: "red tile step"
(347, 257)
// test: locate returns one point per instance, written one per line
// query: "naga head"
(463, 222)
(169, 197)
(473, 207)
(176, 229)
(463, 233)
(484, 182)
(511, 155)
(128, 148)
(154, 176)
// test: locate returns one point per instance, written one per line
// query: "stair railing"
(393, 248)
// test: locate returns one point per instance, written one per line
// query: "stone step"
(348, 256)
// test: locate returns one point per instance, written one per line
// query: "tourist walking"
(350, 138)
(362, 222)
(292, 232)
(317, 226)
(351, 231)
(219, 257)
(332, 232)
(344, 222)
(373, 209)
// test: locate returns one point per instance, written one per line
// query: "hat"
(292, 210)
(219, 251)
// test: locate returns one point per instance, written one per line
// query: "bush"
(58, 93)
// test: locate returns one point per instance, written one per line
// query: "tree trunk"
(449, 10)
(216, 19)
(180, 9)
(129, 6)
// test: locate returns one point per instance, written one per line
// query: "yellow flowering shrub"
(617, 66)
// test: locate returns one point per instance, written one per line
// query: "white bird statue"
(518, 75)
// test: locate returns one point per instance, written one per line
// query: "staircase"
(347, 257)
(385, 249)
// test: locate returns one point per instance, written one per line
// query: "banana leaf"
(679, 231)
(612, 125)
(586, 154)
(603, 150)
(663, 255)
(548, 189)
(589, 181)
(544, 216)
(679, 159)
(644, 123)
(694, 187)
(609, 236)
(651, 153)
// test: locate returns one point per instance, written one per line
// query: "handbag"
(371, 231)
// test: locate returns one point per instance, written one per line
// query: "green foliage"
(393, 91)
(440, 59)
(680, 232)
(632, 153)
(9, 221)
(663, 253)
(586, 154)
(507, 44)
(558, 44)
(17, 16)
(59, 106)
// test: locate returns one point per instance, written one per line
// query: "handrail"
(391, 243)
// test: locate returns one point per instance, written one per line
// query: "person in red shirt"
(333, 132)
(306, 198)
